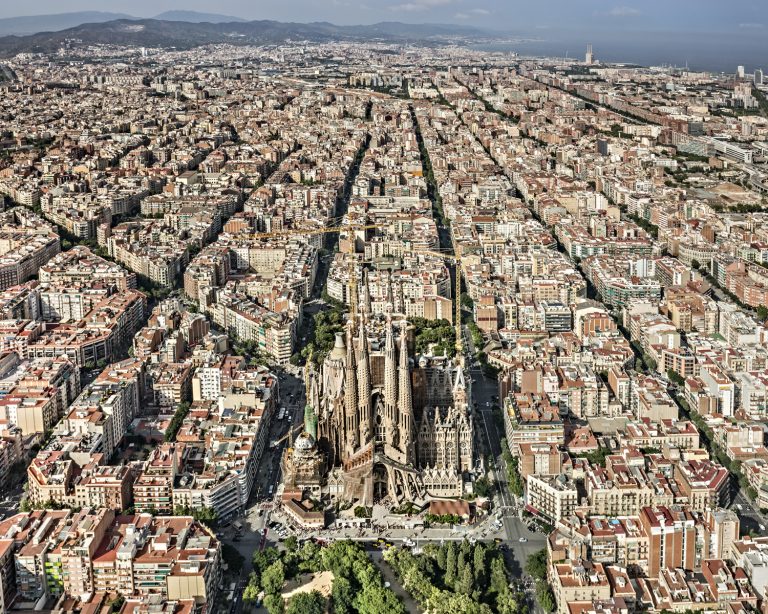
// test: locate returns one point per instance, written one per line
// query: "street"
(750, 518)
(10, 501)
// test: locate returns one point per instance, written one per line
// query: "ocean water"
(717, 52)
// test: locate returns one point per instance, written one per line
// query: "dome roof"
(339, 350)
(304, 443)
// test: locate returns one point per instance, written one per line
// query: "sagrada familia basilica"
(379, 428)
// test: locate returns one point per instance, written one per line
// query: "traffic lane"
(377, 556)
(750, 518)
(484, 388)
(534, 541)
(486, 391)
(9, 506)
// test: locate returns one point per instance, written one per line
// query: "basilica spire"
(390, 378)
(364, 388)
(350, 396)
(405, 401)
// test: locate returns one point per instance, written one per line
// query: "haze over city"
(587, 15)
(648, 32)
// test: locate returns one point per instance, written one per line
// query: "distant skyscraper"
(589, 58)
(758, 77)
(740, 72)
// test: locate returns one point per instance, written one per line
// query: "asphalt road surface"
(750, 518)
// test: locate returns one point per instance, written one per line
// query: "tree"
(514, 481)
(482, 487)
(544, 596)
(498, 576)
(461, 563)
(206, 515)
(362, 511)
(273, 577)
(695, 264)
(675, 377)
(440, 557)
(478, 564)
(762, 312)
(251, 594)
(450, 566)
(307, 603)
(449, 603)
(117, 604)
(178, 418)
(264, 558)
(464, 584)
(274, 604)
(291, 543)
(310, 556)
(342, 596)
(375, 598)
(506, 603)
(232, 558)
(465, 548)
(537, 564)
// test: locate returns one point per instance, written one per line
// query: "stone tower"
(364, 389)
(405, 403)
(351, 415)
(388, 422)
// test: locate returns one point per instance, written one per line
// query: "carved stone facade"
(388, 431)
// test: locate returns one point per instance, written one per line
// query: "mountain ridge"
(187, 35)
(32, 24)
(197, 17)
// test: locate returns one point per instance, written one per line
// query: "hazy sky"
(749, 16)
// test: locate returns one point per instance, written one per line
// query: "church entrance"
(380, 483)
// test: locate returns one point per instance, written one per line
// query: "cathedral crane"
(292, 431)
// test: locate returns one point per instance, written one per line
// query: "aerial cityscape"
(304, 317)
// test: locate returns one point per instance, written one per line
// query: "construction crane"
(456, 258)
(292, 431)
(354, 299)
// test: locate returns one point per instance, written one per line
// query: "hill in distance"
(186, 35)
(52, 23)
(195, 17)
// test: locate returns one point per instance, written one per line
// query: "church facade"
(380, 429)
